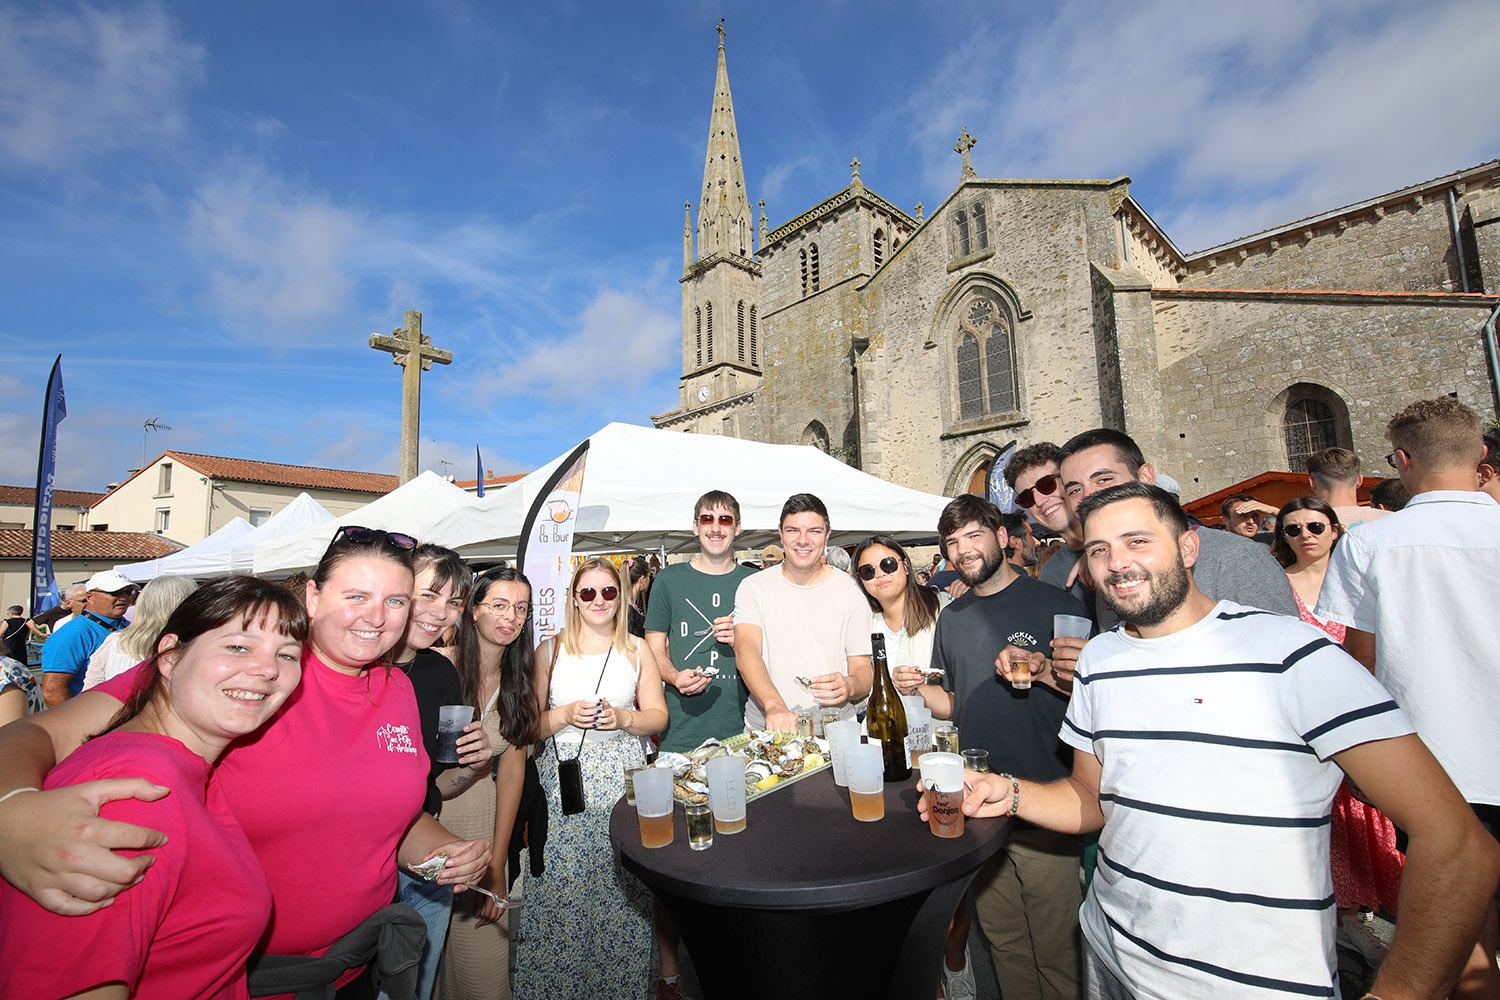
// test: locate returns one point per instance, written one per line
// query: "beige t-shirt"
(804, 630)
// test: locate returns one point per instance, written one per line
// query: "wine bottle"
(885, 718)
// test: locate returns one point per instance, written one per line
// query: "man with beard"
(1205, 740)
(1027, 897)
(803, 618)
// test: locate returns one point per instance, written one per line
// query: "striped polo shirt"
(1216, 787)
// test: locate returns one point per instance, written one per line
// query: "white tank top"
(574, 678)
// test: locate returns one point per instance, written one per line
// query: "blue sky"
(207, 208)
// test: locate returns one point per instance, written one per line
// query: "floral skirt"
(585, 929)
(1366, 864)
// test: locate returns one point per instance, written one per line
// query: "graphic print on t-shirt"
(396, 739)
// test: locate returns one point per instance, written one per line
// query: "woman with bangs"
(586, 927)
(330, 793)
(494, 659)
(225, 661)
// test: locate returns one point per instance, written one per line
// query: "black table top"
(803, 849)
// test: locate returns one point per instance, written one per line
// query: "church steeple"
(724, 219)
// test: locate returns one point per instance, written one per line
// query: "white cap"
(109, 581)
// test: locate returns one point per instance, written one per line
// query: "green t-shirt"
(684, 603)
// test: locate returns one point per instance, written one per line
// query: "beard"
(1165, 595)
(989, 565)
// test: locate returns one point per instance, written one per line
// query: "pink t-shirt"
(186, 930)
(325, 792)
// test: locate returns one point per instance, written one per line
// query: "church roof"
(853, 193)
(119, 546)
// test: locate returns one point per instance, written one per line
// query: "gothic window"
(698, 336)
(741, 339)
(985, 361)
(802, 259)
(812, 264)
(816, 435)
(981, 234)
(879, 247)
(962, 221)
(1309, 425)
(895, 244)
(754, 345)
(708, 315)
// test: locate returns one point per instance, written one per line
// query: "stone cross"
(854, 165)
(965, 143)
(414, 352)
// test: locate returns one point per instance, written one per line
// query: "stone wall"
(1229, 361)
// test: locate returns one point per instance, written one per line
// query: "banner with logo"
(44, 593)
(545, 552)
(1000, 493)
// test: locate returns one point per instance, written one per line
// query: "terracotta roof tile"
(60, 498)
(121, 546)
(304, 476)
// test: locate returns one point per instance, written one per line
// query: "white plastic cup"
(943, 778)
(653, 801)
(1072, 626)
(866, 772)
(451, 722)
(943, 772)
(918, 732)
(726, 793)
(911, 701)
(842, 736)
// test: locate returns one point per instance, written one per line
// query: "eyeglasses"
(888, 565)
(1294, 530)
(727, 520)
(587, 594)
(502, 608)
(1046, 486)
(1391, 458)
(356, 533)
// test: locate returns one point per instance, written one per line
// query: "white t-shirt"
(1213, 875)
(1422, 581)
(804, 630)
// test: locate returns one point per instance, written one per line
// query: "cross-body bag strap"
(584, 738)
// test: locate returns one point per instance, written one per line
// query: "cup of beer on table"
(943, 780)
(841, 736)
(653, 805)
(865, 768)
(726, 793)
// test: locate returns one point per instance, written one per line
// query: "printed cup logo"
(559, 510)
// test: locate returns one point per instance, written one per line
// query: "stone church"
(915, 346)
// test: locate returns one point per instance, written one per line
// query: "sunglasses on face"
(356, 533)
(888, 565)
(1294, 530)
(727, 520)
(1046, 487)
(587, 594)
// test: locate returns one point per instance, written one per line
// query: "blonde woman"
(133, 643)
(586, 927)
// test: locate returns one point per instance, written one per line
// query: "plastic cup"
(841, 736)
(830, 716)
(451, 722)
(866, 772)
(918, 732)
(1072, 626)
(911, 701)
(700, 825)
(977, 760)
(943, 778)
(653, 806)
(726, 793)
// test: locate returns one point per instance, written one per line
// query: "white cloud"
(1250, 115)
(618, 343)
(79, 83)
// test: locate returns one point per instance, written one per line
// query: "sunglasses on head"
(356, 533)
(587, 594)
(1293, 530)
(1046, 487)
(888, 565)
(727, 520)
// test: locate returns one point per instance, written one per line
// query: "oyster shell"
(429, 870)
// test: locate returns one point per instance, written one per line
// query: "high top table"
(809, 902)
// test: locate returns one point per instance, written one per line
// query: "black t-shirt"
(436, 682)
(1018, 728)
(16, 634)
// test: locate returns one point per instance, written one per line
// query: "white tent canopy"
(640, 484)
(413, 508)
(302, 514)
(195, 560)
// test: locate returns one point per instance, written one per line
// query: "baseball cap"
(110, 582)
(771, 554)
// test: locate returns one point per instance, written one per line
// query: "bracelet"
(17, 791)
(1015, 794)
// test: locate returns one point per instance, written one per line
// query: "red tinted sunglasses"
(727, 520)
(587, 594)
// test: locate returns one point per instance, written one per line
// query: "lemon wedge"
(768, 781)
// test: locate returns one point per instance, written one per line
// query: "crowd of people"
(1276, 730)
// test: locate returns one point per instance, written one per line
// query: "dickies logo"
(396, 739)
(1023, 639)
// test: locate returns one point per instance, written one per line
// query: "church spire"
(724, 219)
